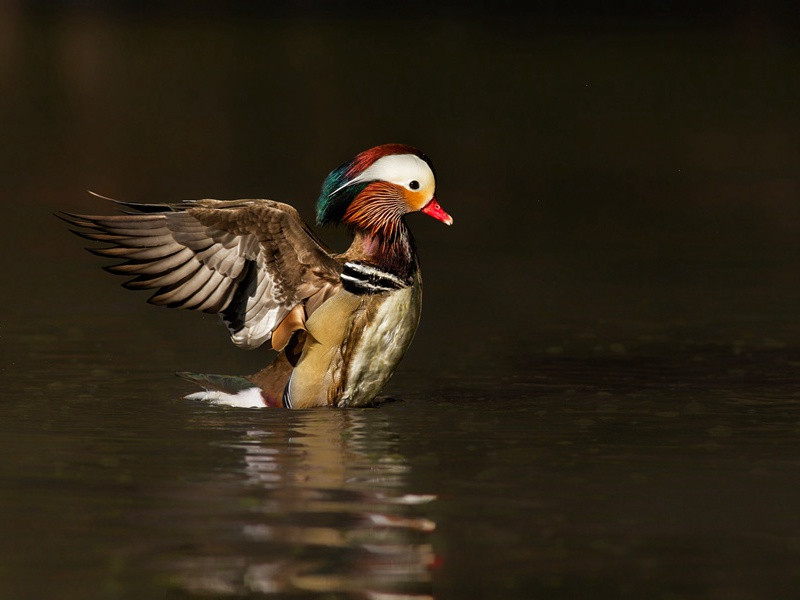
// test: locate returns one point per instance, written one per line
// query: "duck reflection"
(328, 511)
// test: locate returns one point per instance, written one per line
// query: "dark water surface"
(603, 399)
(632, 475)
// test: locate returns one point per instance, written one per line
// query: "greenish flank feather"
(231, 384)
(332, 204)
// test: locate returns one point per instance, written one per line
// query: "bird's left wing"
(250, 261)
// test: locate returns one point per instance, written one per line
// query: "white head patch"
(406, 170)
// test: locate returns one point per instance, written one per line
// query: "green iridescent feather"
(332, 204)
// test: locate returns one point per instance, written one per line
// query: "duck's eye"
(414, 185)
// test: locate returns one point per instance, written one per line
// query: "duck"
(339, 323)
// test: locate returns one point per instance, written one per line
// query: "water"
(605, 476)
(602, 399)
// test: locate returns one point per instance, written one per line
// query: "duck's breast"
(354, 345)
(385, 334)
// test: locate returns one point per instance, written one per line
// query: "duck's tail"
(228, 390)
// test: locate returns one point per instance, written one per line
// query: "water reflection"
(325, 509)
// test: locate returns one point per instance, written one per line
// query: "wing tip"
(138, 207)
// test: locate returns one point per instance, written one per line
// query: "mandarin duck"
(339, 322)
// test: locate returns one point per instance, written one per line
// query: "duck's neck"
(390, 247)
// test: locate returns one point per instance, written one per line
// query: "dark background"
(620, 286)
(602, 161)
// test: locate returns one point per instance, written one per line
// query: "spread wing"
(250, 261)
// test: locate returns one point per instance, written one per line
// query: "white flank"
(249, 398)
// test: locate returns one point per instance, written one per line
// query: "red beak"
(432, 209)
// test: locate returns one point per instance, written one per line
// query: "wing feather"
(228, 261)
(251, 261)
(144, 241)
(138, 253)
(181, 275)
(189, 286)
(153, 267)
(204, 296)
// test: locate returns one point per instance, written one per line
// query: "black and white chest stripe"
(361, 278)
(287, 399)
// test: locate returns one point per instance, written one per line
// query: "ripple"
(321, 506)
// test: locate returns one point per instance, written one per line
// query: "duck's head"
(379, 186)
